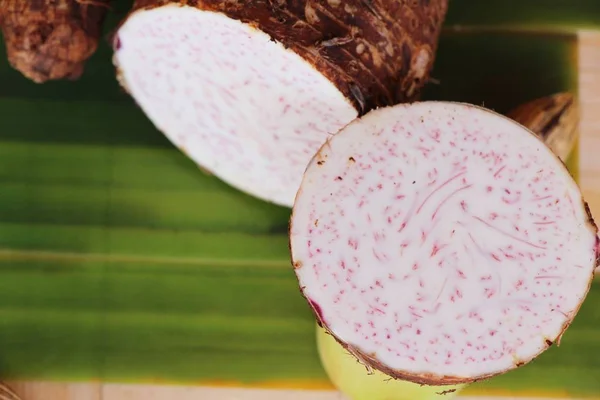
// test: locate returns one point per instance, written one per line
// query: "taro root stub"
(441, 243)
(251, 90)
(51, 39)
(554, 118)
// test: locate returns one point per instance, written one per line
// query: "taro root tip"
(51, 40)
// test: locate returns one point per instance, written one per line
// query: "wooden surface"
(589, 95)
(78, 391)
(589, 91)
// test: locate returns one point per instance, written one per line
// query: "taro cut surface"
(441, 243)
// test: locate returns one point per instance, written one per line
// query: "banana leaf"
(519, 15)
(120, 260)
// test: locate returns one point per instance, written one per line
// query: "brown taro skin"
(51, 39)
(376, 52)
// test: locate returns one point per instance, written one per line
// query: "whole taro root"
(51, 39)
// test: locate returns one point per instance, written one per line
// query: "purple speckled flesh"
(442, 239)
(240, 105)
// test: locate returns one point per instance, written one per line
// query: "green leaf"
(524, 15)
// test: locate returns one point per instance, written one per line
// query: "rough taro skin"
(377, 52)
(51, 39)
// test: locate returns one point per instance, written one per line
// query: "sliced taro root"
(251, 90)
(51, 39)
(441, 243)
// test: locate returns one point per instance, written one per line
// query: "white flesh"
(240, 105)
(442, 238)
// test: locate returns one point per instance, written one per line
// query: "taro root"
(51, 39)
(251, 90)
(441, 243)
